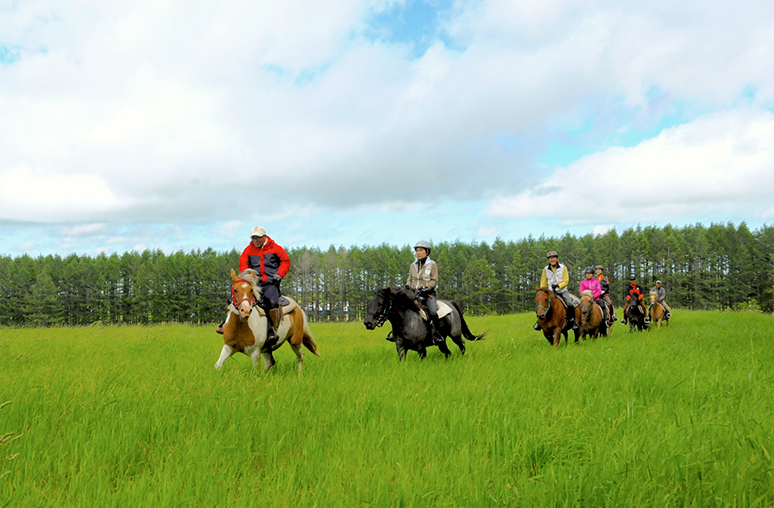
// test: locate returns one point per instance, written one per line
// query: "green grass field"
(138, 416)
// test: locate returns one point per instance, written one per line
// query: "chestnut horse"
(245, 328)
(592, 318)
(551, 314)
(657, 312)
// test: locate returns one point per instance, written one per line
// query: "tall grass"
(120, 416)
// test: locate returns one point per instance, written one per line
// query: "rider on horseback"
(660, 297)
(423, 280)
(635, 291)
(556, 277)
(271, 263)
(604, 283)
(591, 284)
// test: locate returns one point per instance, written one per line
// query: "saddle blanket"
(443, 310)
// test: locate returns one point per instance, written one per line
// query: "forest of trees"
(722, 266)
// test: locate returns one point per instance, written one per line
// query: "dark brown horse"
(592, 319)
(551, 316)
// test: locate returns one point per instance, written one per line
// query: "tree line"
(722, 266)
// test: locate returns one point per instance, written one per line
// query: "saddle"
(443, 310)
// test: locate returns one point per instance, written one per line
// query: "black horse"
(399, 307)
(635, 316)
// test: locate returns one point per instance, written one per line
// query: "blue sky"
(170, 125)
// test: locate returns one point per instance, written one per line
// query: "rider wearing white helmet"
(556, 277)
(423, 280)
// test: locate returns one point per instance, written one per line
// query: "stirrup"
(623, 321)
(668, 315)
(536, 327)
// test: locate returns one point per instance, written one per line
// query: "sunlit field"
(138, 416)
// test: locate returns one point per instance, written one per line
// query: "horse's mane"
(545, 290)
(251, 276)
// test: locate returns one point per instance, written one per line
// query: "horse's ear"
(537, 288)
(234, 275)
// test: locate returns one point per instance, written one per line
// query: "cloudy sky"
(181, 124)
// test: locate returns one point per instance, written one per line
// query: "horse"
(657, 312)
(245, 328)
(409, 330)
(635, 316)
(592, 317)
(551, 314)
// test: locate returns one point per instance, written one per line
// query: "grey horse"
(409, 330)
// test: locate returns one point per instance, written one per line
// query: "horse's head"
(543, 302)
(378, 308)
(653, 296)
(586, 303)
(242, 295)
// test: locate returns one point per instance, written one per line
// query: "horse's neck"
(400, 317)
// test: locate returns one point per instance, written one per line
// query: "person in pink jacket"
(590, 283)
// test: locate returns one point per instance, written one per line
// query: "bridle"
(548, 297)
(382, 317)
(250, 299)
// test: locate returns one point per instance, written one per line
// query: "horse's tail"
(465, 330)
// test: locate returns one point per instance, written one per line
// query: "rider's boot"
(571, 318)
(536, 326)
(220, 328)
(435, 335)
(271, 326)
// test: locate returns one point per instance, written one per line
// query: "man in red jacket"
(271, 263)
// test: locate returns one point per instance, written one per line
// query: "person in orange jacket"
(634, 293)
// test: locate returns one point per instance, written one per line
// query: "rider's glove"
(275, 278)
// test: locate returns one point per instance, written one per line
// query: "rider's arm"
(244, 260)
(565, 278)
(284, 266)
(543, 279)
(433, 282)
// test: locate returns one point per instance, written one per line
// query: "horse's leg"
(299, 351)
(444, 349)
(225, 354)
(422, 351)
(268, 360)
(558, 336)
(399, 347)
(549, 337)
(448, 330)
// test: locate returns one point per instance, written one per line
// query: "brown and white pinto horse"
(657, 312)
(551, 314)
(245, 328)
(592, 318)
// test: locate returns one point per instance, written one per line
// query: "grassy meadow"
(138, 416)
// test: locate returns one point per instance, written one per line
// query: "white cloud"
(163, 111)
(721, 162)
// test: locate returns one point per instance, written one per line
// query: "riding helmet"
(589, 270)
(425, 245)
(552, 254)
(599, 267)
(633, 277)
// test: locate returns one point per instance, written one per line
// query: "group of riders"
(556, 277)
(270, 263)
